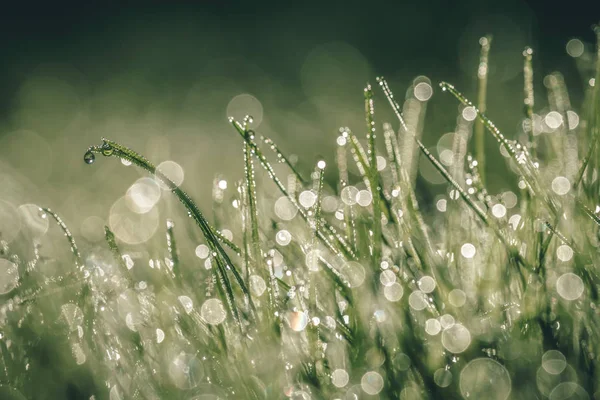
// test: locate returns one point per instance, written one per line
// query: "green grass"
(334, 291)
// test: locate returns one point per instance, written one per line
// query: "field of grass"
(294, 287)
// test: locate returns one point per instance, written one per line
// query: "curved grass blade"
(224, 263)
(67, 232)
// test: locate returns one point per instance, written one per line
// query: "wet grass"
(336, 291)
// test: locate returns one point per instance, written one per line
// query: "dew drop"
(393, 292)
(417, 300)
(456, 339)
(426, 284)
(568, 390)
(340, 378)
(433, 326)
(160, 335)
(447, 321)
(248, 119)
(107, 149)
(371, 382)
(298, 320)
(564, 252)
(569, 286)
(387, 278)
(285, 209)
(283, 237)
(354, 273)
(202, 251)
(442, 377)
(457, 298)
(213, 311)
(187, 303)
(561, 185)
(468, 250)
(89, 157)
(554, 362)
(257, 285)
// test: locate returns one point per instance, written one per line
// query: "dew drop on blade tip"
(89, 157)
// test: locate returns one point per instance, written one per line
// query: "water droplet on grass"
(354, 273)
(371, 382)
(283, 237)
(393, 292)
(433, 326)
(568, 390)
(457, 298)
(202, 251)
(468, 250)
(442, 377)
(554, 362)
(456, 339)
(298, 320)
(213, 311)
(417, 300)
(187, 303)
(160, 335)
(257, 285)
(569, 286)
(564, 252)
(387, 278)
(561, 185)
(426, 284)
(340, 378)
(107, 149)
(89, 157)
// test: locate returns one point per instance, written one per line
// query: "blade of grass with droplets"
(84, 296)
(67, 232)
(244, 219)
(342, 164)
(332, 232)
(522, 158)
(529, 97)
(224, 263)
(172, 249)
(282, 158)
(463, 194)
(406, 195)
(109, 236)
(255, 255)
(373, 178)
(482, 78)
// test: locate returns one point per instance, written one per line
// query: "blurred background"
(162, 78)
